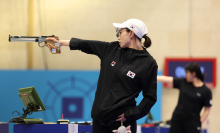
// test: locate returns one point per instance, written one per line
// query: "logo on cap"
(113, 63)
(132, 26)
(130, 74)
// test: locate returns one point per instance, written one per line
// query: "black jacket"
(124, 74)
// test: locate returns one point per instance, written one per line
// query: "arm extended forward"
(165, 79)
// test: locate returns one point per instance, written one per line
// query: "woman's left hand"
(122, 117)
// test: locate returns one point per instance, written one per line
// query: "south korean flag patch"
(130, 74)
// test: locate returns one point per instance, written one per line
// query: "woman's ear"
(194, 74)
(131, 33)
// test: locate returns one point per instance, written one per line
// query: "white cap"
(136, 25)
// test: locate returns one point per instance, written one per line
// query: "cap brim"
(118, 26)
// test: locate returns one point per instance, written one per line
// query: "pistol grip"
(55, 47)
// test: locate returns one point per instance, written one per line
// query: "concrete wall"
(177, 29)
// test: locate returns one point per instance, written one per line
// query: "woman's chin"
(122, 46)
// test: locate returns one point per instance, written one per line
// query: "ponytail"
(147, 42)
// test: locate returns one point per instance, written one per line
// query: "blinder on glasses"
(118, 31)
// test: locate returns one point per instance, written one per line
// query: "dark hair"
(194, 67)
(147, 42)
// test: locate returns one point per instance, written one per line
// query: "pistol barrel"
(23, 39)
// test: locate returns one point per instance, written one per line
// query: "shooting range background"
(177, 28)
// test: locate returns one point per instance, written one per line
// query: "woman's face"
(189, 76)
(124, 38)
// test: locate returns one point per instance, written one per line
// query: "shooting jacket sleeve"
(149, 96)
(90, 47)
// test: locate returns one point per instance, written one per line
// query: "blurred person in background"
(127, 68)
(193, 96)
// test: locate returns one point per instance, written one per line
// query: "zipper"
(115, 77)
(126, 63)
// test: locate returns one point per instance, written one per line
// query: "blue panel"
(41, 128)
(164, 130)
(73, 108)
(85, 129)
(148, 130)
